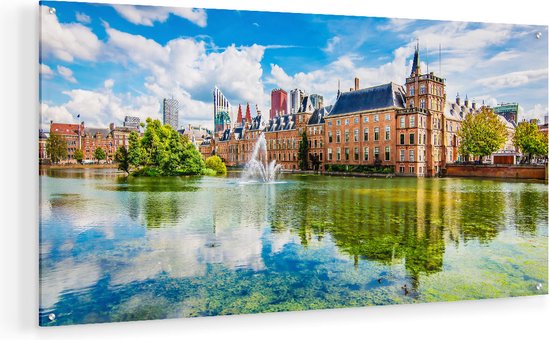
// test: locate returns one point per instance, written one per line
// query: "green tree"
(482, 134)
(136, 154)
(99, 154)
(215, 163)
(78, 155)
(530, 141)
(121, 157)
(303, 152)
(162, 151)
(56, 148)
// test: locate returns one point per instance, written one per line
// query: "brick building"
(409, 128)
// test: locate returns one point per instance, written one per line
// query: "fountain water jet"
(258, 167)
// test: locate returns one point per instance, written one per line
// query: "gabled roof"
(306, 105)
(318, 116)
(371, 98)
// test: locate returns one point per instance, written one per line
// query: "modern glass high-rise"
(131, 122)
(222, 111)
(170, 112)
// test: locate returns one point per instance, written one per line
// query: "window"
(356, 154)
(387, 117)
(411, 90)
(346, 136)
(402, 155)
(338, 136)
(338, 122)
(387, 136)
(411, 169)
(411, 121)
(422, 89)
(330, 123)
(330, 136)
(375, 118)
(402, 139)
(422, 103)
(329, 154)
(411, 138)
(366, 134)
(347, 154)
(366, 154)
(376, 134)
(346, 122)
(366, 119)
(402, 122)
(338, 156)
(356, 120)
(411, 155)
(387, 153)
(356, 135)
(376, 152)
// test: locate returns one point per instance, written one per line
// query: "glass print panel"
(182, 170)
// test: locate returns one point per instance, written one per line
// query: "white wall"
(524, 318)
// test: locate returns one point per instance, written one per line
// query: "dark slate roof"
(42, 134)
(256, 123)
(226, 135)
(238, 133)
(371, 98)
(306, 105)
(94, 131)
(281, 123)
(318, 116)
(206, 141)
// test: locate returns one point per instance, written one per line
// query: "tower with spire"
(420, 126)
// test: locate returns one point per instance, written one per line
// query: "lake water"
(118, 249)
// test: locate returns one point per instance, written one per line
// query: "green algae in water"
(116, 249)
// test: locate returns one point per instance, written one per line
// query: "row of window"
(387, 135)
(356, 154)
(366, 119)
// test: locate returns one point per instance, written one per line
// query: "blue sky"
(104, 62)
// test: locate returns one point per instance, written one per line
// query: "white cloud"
(148, 15)
(183, 69)
(98, 108)
(109, 83)
(514, 79)
(46, 72)
(331, 43)
(538, 111)
(67, 41)
(66, 73)
(83, 18)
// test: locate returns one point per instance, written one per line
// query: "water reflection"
(117, 248)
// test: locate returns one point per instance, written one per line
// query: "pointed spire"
(416, 61)
(240, 115)
(338, 94)
(248, 117)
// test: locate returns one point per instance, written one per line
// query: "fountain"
(258, 167)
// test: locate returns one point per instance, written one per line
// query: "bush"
(360, 168)
(215, 163)
(208, 172)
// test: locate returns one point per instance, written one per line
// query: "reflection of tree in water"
(482, 211)
(530, 208)
(159, 201)
(392, 220)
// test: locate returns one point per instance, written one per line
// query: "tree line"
(160, 151)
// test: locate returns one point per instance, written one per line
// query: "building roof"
(94, 131)
(282, 123)
(509, 125)
(66, 129)
(318, 116)
(371, 98)
(306, 105)
(256, 123)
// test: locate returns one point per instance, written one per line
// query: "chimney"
(351, 89)
(466, 102)
(457, 99)
(356, 83)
